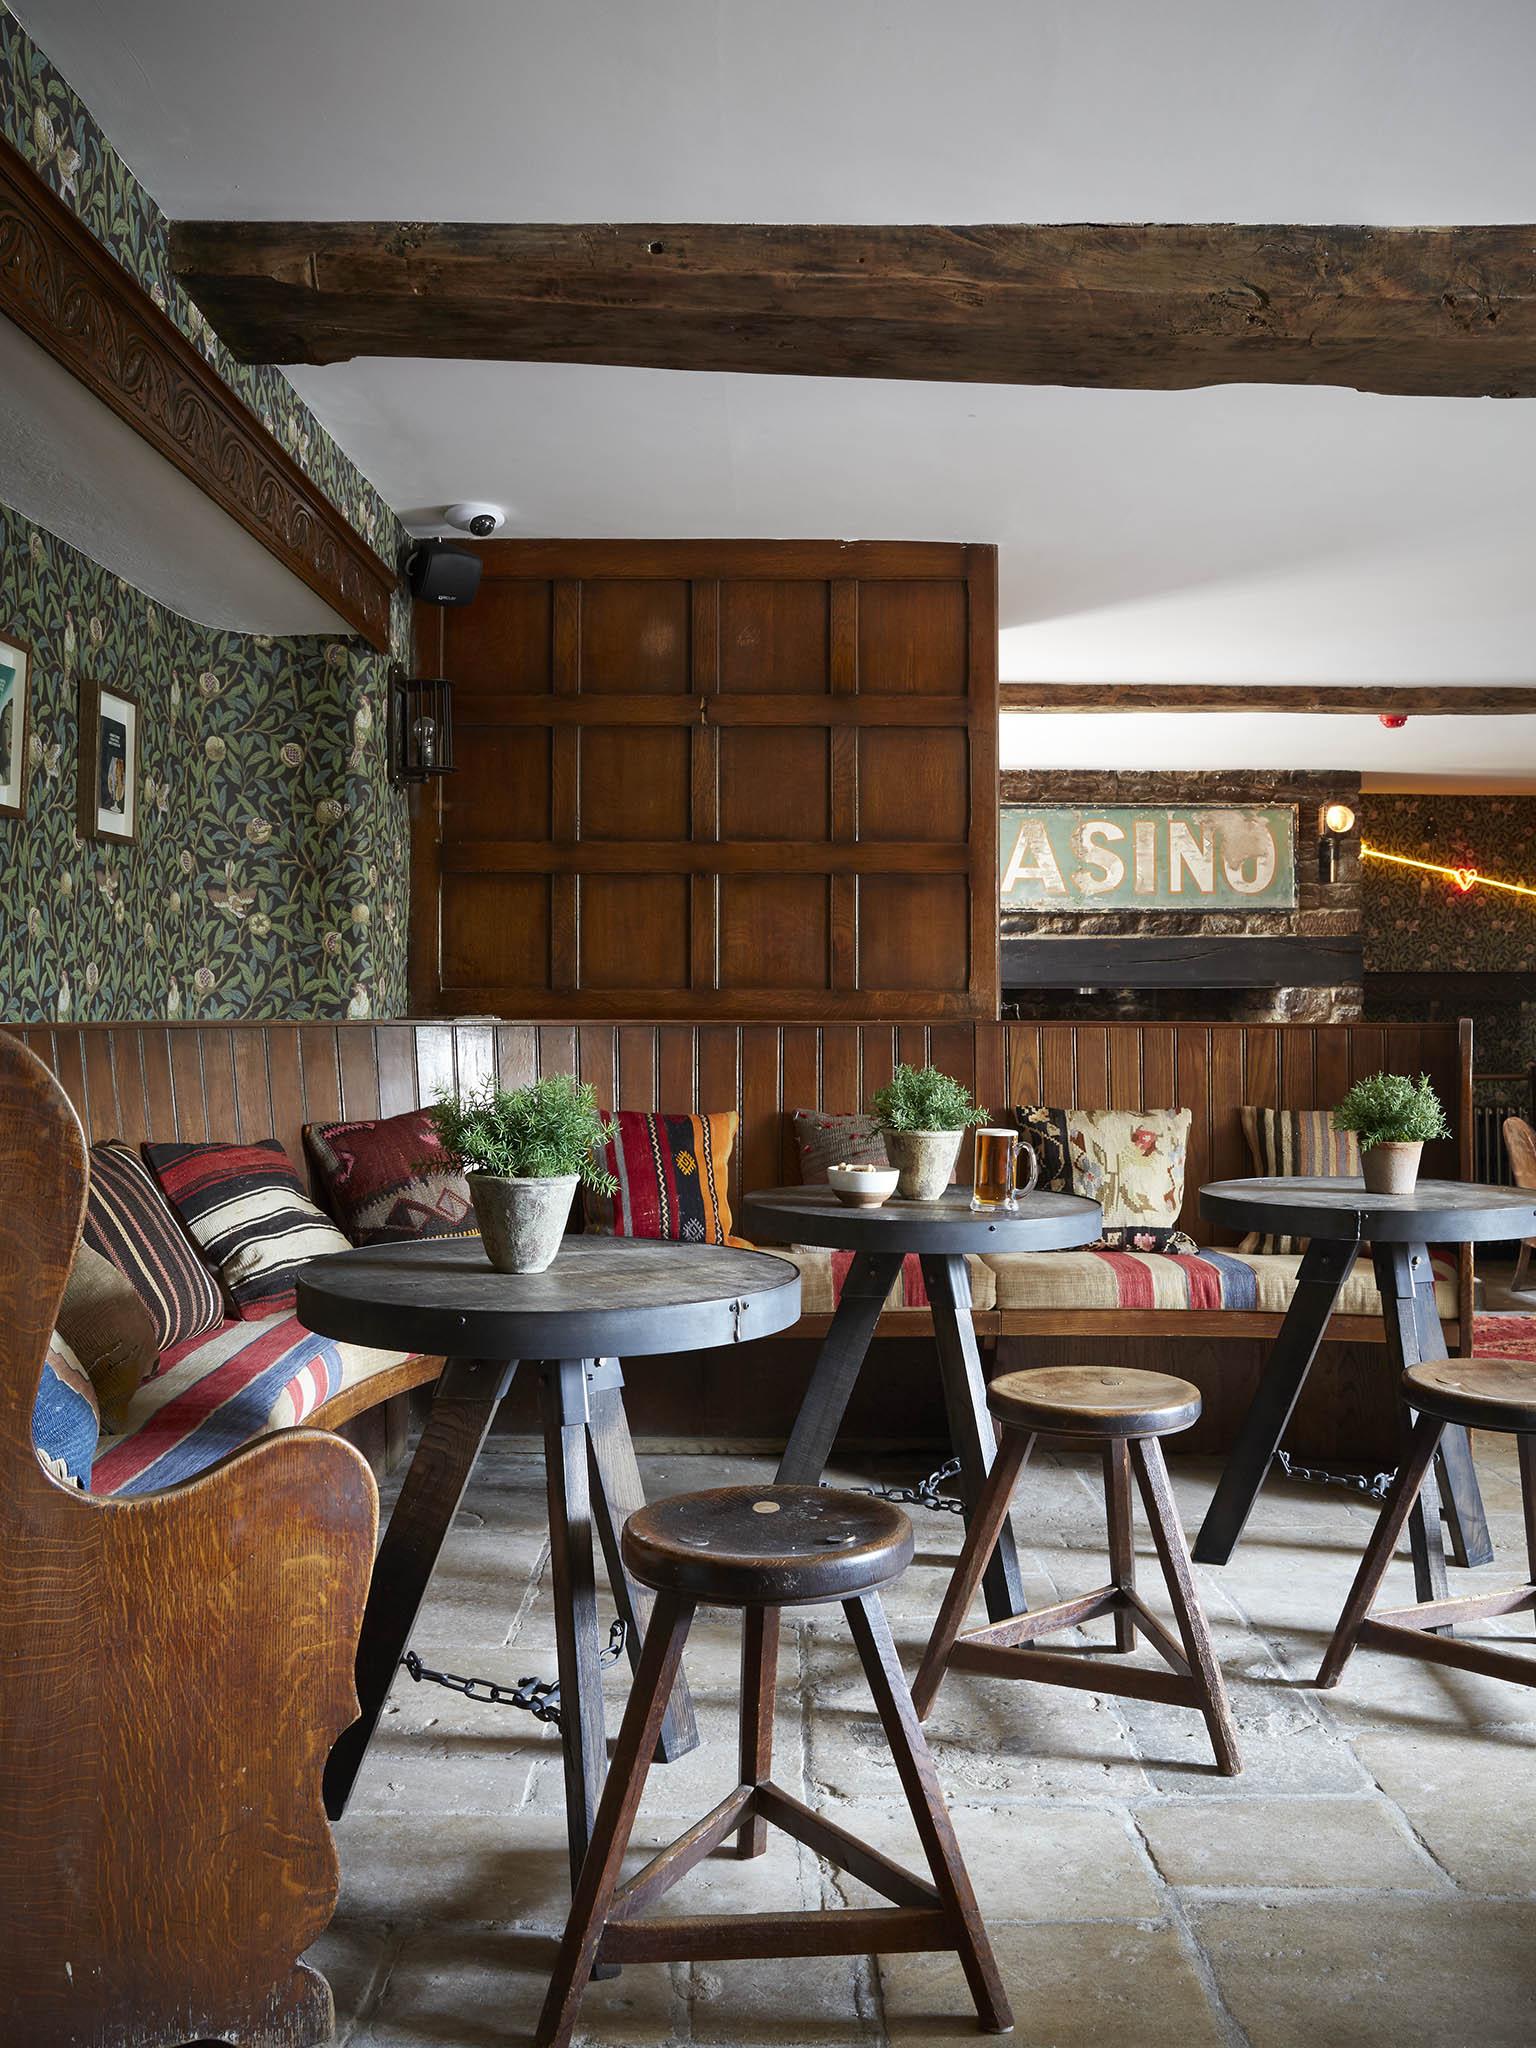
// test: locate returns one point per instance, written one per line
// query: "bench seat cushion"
(215, 1393)
(1161, 1280)
(822, 1273)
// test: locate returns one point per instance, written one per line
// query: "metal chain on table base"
(925, 1494)
(1373, 1489)
(537, 1696)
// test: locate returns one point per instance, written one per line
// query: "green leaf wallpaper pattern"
(1418, 923)
(270, 874)
(269, 878)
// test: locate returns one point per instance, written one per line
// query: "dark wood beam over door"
(1447, 311)
(1417, 700)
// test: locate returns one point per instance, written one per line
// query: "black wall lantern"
(1337, 822)
(421, 712)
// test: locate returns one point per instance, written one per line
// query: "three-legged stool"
(1127, 1412)
(1482, 1393)
(761, 1549)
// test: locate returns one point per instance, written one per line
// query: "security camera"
(480, 520)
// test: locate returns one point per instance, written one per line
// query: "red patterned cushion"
(672, 1173)
(390, 1180)
(244, 1206)
(129, 1221)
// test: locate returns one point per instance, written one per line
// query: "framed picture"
(15, 689)
(109, 763)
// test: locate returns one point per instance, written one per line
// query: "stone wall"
(1324, 910)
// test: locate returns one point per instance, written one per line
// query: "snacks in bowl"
(861, 1186)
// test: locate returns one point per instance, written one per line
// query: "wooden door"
(725, 779)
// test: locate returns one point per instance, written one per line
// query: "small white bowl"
(862, 1187)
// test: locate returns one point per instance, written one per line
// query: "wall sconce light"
(421, 711)
(1338, 820)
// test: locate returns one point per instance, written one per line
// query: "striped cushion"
(672, 1173)
(822, 1274)
(1155, 1280)
(244, 1206)
(215, 1394)
(65, 1421)
(129, 1221)
(1286, 1142)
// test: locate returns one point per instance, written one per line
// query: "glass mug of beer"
(998, 1175)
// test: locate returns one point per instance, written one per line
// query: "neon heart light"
(1466, 879)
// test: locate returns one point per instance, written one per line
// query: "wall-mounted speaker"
(440, 574)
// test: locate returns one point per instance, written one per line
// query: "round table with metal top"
(1339, 1219)
(941, 1233)
(603, 1297)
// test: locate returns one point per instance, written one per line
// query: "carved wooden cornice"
(68, 293)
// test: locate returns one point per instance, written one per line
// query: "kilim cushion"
(1131, 1161)
(672, 1173)
(822, 1274)
(826, 1138)
(1210, 1280)
(214, 1395)
(1286, 1142)
(129, 1221)
(244, 1206)
(389, 1180)
(65, 1421)
(109, 1329)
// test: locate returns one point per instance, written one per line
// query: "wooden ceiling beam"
(1416, 700)
(1443, 311)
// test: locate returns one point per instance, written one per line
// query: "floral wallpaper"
(269, 878)
(1417, 923)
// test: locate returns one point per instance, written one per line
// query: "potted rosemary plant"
(1393, 1117)
(923, 1115)
(522, 1151)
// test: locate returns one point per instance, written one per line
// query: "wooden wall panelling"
(219, 1080)
(770, 778)
(358, 1066)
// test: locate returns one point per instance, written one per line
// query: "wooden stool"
(1479, 1393)
(760, 1549)
(1127, 1412)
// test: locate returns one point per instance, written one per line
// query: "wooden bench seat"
(212, 1081)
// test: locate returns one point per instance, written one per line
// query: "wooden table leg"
(1405, 1279)
(464, 1404)
(563, 1412)
(616, 1493)
(870, 1279)
(1325, 1266)
(971, 1433)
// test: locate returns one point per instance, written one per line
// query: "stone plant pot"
(521, 1221)
(924, 1162)
(1390, 1169)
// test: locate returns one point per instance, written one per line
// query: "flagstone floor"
(1368, 1882)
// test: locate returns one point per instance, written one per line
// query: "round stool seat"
(767, 1546)
(1094, 1400)
(1483, 1393)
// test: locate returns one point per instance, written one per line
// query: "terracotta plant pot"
(1391, 1169)
(521, 1221)
(924, 1162)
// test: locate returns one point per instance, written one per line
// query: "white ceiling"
(71, 465)
(1241, 534)
(1428, 753)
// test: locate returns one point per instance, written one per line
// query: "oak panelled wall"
(731, 779)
